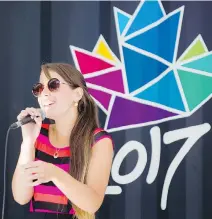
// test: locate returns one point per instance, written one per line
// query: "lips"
(48, 104)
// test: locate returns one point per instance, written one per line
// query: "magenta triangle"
(112, 80)
(89, 63)
(128, 112)
(102, 97)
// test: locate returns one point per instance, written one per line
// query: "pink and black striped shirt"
(47, 197)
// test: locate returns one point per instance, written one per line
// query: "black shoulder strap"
(99, 135)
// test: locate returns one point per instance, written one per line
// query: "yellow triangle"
(103, 50)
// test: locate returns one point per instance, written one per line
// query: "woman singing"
(64, 166)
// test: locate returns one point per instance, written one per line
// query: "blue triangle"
(149, 12)
(165, 92)
(202, 64)
(140, 69)
(122, 21)
(159, 40)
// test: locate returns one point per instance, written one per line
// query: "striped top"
(47, 197)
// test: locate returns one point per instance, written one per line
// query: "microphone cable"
(5, 175)
(13, 126)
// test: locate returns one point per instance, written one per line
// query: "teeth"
(48, 104)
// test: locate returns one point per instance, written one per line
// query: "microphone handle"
(24, 121)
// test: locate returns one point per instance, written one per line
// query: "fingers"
(36, 176)
(36, 183)
(34, 113)
(33, 170)
(23, 114)
(38, 120)
(33, 177)
(33, 174)
(33, 182)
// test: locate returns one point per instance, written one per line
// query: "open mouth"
(49, 104)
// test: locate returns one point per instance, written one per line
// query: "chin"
(50, 115)
(53, 115)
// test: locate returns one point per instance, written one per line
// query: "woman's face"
(60, 102)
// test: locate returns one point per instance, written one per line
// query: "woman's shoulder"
(100, 133)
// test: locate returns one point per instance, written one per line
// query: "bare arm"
(22, 192)
(90, 196)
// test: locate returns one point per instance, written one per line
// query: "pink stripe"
(53, 190)
(31, 207)
(56, 212)
(43, 139)
(47, 211)
(98, 130)
(65, 167)
(72, 211)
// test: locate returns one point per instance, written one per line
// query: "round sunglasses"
(53, 85)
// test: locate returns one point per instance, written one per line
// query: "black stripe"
(100, 134)
(50, 159)
(44, 132)
(51, 206)
(47, 121)
(50, 183)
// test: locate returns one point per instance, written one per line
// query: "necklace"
(56, 153)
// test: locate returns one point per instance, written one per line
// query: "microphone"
(26, 120)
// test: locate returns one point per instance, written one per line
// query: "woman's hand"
(38, 172)
(30, 131)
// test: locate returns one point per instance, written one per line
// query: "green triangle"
(197, 49)
(196, 87)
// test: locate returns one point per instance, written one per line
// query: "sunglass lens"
(37, 89)
(54, 84)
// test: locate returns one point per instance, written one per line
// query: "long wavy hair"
(81, 137)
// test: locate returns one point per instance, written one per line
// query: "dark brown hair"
(81, 137)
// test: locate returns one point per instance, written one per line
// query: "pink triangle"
(89, 64)
(112, 80)
(102, 97)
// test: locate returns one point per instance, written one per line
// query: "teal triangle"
(122, 21)
(202, 64)
(159, 40)
(149, 12)
(196, 87)
(165, 92)
(140, 69)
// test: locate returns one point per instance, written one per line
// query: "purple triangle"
(102, 97)
(112, 80)
(128, 112)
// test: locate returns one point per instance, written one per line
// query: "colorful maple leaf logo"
(148, 85)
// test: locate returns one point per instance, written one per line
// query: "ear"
(78, 94)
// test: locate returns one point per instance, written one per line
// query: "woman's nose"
(46, 91)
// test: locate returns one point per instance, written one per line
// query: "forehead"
(53, 74)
